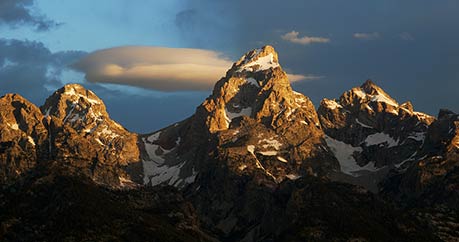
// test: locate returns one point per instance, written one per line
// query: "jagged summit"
(368, 93)
(377, 132)
(257, 87)
(445, 113)
(73, 102)
(252, 116)
(257, 60)
(370, 87)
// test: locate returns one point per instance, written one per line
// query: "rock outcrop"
(21, 136)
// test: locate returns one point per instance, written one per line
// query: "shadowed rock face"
(371, 133)
(430, 185)
(58, 202)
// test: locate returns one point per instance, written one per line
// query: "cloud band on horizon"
(159, 68)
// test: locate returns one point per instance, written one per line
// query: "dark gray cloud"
(413, 53)
(20, 12)
(28, 68)
(33, 71)
(210, 25)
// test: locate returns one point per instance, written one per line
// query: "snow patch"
(47, 112)
(362, 124)
(360, 93)
(156, 152)
(380, 138)
(268, 153)
(124, 182)
(293, 176)
(344, 154)
(282, 159)
(154, 137)
(418, 136)
(14, 126)
(299, 98)
(262, 63)
(251, 149)
(411, 158)
(229, 116)
(156, 174)
(331, 104)
(252, 81)
(384, 99)
(72, 92)
(271, 142)
(108, 133)
(422, 116)
(379, 97)
(30, 139)
(156, 171)
(242, 167)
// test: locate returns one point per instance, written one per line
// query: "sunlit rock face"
(252, 123)
(82, 133)
(72, 127)
(23, 137)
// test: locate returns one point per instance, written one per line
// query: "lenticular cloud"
(158, 68)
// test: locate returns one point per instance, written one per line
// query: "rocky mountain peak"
(369, 94)
(377, 132)
(370, 87)
(79, 108)
(445, 113)
(257, 60)
(72, 103)
(253, 123)
(257, 87)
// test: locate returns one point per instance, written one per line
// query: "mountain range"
(256, 162)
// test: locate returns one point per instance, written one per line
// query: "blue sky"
(407, 47)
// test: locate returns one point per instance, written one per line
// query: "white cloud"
(296, 77)
(305, 40)
(158, 68)
(367, 36)
(406, 36)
